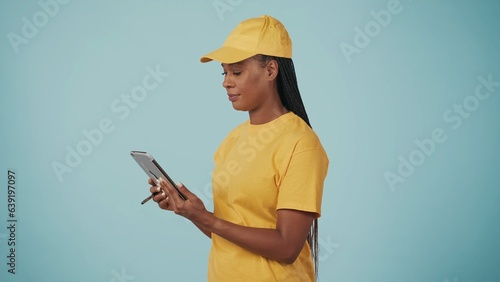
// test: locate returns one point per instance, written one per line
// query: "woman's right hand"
(160, 197)
(162, 200)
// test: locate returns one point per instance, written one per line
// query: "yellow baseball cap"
(264, 35)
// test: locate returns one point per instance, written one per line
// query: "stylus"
(149, 198)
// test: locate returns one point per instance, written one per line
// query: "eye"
(224, 73)
(236, 72)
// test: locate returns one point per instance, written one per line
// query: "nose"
(227, 82)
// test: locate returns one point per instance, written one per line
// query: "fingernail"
(179, 184)
(158, 189)
(163, 193)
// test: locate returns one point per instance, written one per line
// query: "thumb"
(185, 191)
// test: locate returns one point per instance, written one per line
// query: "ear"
(272, 70)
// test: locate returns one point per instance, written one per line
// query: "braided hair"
(288, 90)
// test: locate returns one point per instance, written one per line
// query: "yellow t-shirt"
(258, 170)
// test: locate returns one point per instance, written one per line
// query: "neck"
(269, 111)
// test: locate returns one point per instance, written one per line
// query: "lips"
(233, 97)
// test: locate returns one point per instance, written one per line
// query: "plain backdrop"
(404, 96)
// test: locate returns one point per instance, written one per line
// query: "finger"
(185, 191)
(159, 197)
(170, 191)
(165, 185)
(155, 189)
(164, 204)
(151, 182)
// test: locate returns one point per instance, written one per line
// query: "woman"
(269, 171)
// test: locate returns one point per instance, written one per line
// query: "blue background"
(440, 224)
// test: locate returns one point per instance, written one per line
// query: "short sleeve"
(302, 185)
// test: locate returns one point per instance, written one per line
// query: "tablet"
(153, 170)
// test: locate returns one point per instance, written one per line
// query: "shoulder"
(302, 136)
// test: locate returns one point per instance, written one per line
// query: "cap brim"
(227, 55)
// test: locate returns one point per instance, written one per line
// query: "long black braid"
(288, 90)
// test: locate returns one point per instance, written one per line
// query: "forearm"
(269, 243)
(206, 232)
(282, 243)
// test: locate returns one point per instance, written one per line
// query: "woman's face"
(248, 84)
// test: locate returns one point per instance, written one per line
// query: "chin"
(239, 107)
